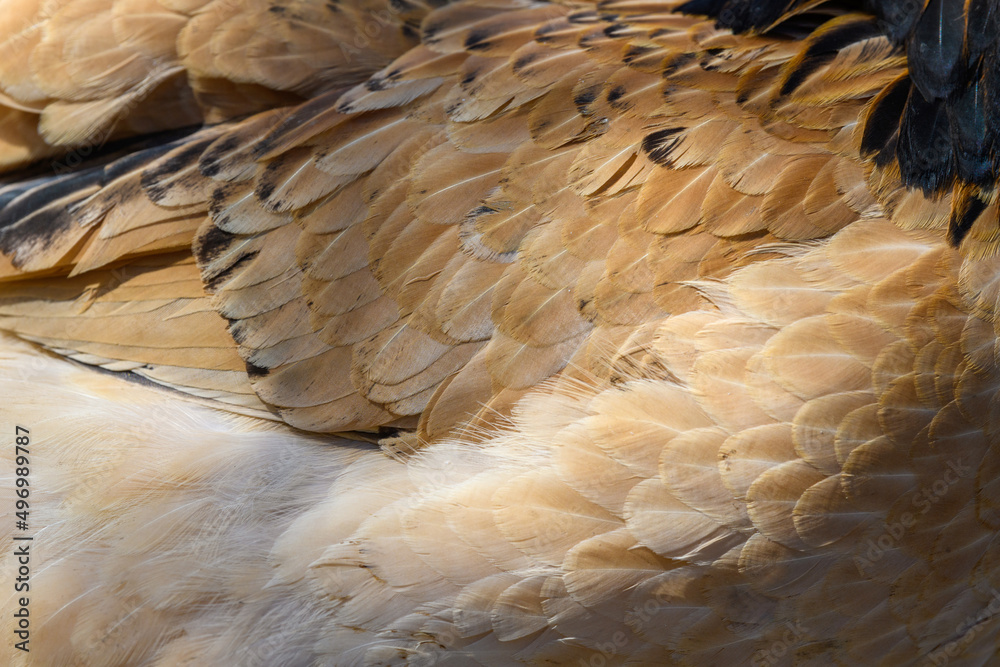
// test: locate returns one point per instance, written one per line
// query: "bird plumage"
(672, 352)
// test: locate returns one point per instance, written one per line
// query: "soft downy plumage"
(502, 332)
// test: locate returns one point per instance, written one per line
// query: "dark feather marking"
(216, 281)
(885, 157)
(524, 61)
(216, 200)
(39, 230)
(391, 432)
(585, 98)
(10, 192)
(543, 34)
(883, 120)
(966, 210)
(659, 145)
(479, 39)
(584, 16)
(143, 149)
(34, 219)
(990, 77)
(210, 161)
(236, 330)
(973, 145)
(706, 7)
(480, 210)
(265, 190)
(637, 52)
(35, 199)
(953, 52)
(799, 26)
(589, 40)
(926, 157)
(188, 156)
(897, 17)
(677, 63)
(125, 164)
(617, 30)
(211, 244)
(304, 114)
(410, 32)
(983, 27)
(743, 15)
(128, 376)
(430, 31)
(255, 372)
(823, 49)
(36, 212)
(616, 94)
(935, 49)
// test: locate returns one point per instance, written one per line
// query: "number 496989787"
(21, 442)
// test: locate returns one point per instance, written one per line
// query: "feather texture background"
(667, 350)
